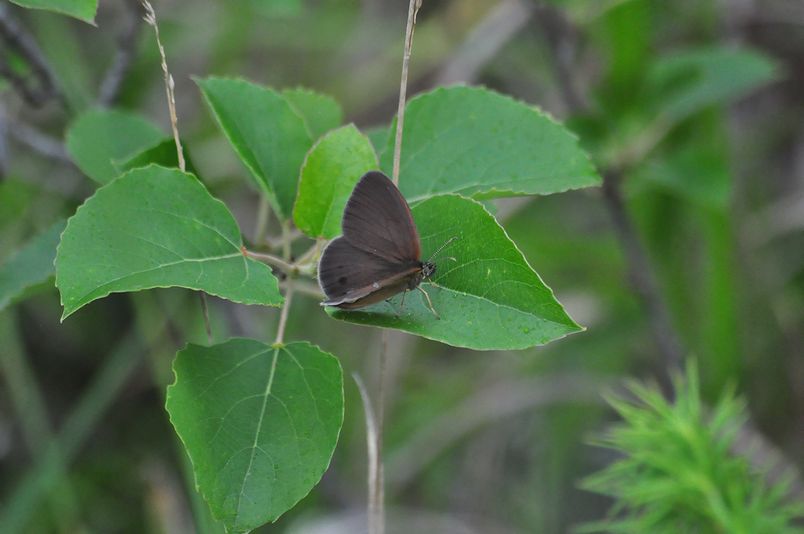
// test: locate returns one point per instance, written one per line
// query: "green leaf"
(321, 113)
(378, 136)
(259, 422)
(31, 265)
(479, 143)
(697, 170)
(488, 297)
(80, 9)
(157, 227)
(689, 81)
(332, 168)
(164, 153)
(270, 137)
(100, 137)
(73, 68)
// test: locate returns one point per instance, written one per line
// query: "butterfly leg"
(398, 313)
(429, 302)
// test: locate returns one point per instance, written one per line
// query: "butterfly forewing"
(378, 220)
(347, 273)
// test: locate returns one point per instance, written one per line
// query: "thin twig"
(413, 9)
(123, 59)
(286, 239)
(492, 33)
(283, 315)
(19, 39)
(642, 275)
(377, 484)
(376, 514)
(42, 143)
(32, 96)
(261, 225)
(150, 18)
(305, 288)
(372, 439)
(312, 254)
(275, 243)
(560, 38)
(270, 259)
(205, 313)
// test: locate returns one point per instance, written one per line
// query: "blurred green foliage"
(706, 134)
(682, 469)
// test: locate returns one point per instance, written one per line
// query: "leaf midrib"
(507, 306)
(257, 431)
(103, 286)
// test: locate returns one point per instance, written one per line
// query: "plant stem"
(261, 226)
(283, 315)
(205, 314)
(306, 288)
(376, 490)
(44, 144)
(270, 259)
(286, 240)
(150, 18)
(642, 275)
(17, 38)
(374, 496)
(413, 9)
(124, 57)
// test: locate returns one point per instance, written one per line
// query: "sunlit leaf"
(267, 133)
(488, 297)
(479, 143)
(321, 113)
(332, 168)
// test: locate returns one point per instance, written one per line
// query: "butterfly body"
(379, 254)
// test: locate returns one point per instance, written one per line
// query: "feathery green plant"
(680, 473)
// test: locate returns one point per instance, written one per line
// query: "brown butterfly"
(379, 254)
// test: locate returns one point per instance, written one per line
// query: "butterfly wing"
(377, 220)
(347, 274)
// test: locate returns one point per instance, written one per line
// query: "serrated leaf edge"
(67, 313)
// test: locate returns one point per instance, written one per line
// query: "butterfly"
(379, 253)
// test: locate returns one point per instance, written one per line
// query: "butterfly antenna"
(442, 247)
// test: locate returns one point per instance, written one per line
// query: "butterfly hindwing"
(347, 273)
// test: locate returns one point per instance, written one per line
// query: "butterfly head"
(428, 269)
